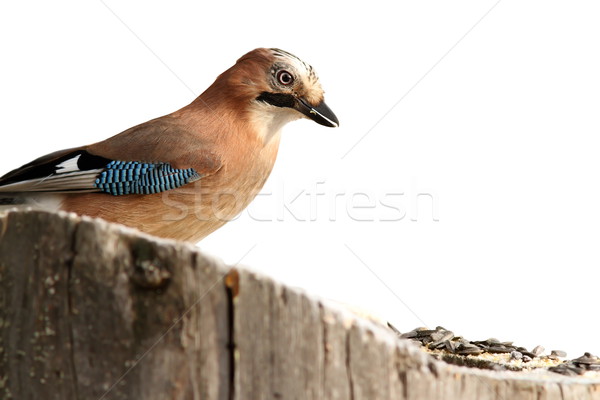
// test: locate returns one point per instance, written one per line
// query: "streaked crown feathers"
(271, 61)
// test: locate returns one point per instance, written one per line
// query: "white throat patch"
(268, 120)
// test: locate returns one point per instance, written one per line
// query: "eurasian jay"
(185, 174)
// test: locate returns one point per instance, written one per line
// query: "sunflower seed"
(393, 328)
(441, 336)
(409, 335)
(558, 353)
(537, 350)
(498, 349)
(450, 346)
(465, 349)
(586, 359)
(567, 369)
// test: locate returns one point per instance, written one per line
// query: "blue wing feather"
(133, 177)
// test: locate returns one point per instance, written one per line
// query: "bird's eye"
(285, 78)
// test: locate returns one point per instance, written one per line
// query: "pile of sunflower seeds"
(578, 366)
(444, 345)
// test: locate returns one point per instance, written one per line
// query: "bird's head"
(274, 87)
(292, 84)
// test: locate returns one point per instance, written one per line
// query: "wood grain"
(91, 310)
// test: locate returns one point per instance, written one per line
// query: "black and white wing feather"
(78, 171)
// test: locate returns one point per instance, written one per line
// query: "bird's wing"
(78, 171)
(150, 158)
(153, 157)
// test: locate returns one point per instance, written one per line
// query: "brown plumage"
(229, 135)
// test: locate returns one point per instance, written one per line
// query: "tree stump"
(91, 310)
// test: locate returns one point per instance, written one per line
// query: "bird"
(185, 174)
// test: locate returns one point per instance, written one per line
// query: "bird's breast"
(242, 176)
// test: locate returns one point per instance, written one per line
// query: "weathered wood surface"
(90, 310)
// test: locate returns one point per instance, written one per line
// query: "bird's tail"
(50, 202)
(9, 201)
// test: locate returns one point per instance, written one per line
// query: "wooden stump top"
(91, 310)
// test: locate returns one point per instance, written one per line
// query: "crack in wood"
(348, 364)
(69, 263)
(230, 292)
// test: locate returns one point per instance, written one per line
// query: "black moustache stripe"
(278, 99)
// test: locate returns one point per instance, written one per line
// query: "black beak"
(320, 113)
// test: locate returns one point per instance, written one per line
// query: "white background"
(498, 130)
